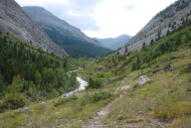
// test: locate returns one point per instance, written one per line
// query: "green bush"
(186, 69)
(14, 100)
(83, 101)
(1, 82)
(94, 83)
(2, 106)
(64, 101)
(137, 64)
(97, 97)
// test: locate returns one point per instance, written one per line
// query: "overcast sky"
(103, 18)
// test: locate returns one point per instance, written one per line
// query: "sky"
(103, 18)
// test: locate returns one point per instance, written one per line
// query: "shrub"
(14, 100)
(1, 82)
(94, 83)
(186, 69)
(136, 65)
(83, 101)
(171, 111)
(181, 123)
(64, 101)
(2, 106)
(97, 97)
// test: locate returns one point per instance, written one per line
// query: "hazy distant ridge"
(114, 43)
(72, 39)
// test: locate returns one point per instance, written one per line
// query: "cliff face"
(163, 23)
(14, 20)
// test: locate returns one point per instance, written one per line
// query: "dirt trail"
(96, 122)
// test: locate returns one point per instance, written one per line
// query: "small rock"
(101, 113)
(24, 109)
(125, 88)
(143, 80)
(43, 102)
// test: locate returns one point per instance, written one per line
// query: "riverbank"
(82, 86)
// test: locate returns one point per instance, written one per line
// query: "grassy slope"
(166, 99)
(70, 113)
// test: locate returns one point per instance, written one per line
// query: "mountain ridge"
(114, 43)
(165, 22)
(76, 43)
(17, 22)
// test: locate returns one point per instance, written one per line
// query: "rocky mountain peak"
(160, 25)
(14, 20)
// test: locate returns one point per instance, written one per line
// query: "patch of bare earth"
(139, 122)
(96, 122)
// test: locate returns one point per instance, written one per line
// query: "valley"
(75, 42)
(143, 83)
(164, 101)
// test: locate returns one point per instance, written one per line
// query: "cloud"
(78, 13)
(130, 7)
(41, 2)
(75, 12)
(103, 18)
(114, 18)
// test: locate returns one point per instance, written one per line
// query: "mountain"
(165, 22)
(145, 89)
(149, 88)
(15, 21)
(76, 43)
(114, 43)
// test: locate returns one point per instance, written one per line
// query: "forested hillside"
(72, 39)
(75, 47)
(29, 74)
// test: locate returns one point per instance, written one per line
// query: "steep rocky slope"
(163, 23)
(114, 43)
(72, 39)
(15, 21)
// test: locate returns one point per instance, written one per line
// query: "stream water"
(82, 86)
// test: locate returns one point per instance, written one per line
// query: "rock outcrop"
(15, 21)
(163, 23)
